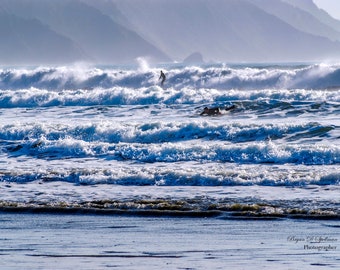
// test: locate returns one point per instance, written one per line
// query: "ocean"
(110, 140)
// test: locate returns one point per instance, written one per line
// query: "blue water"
(116, 127)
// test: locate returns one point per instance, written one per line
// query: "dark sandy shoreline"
(172, 209)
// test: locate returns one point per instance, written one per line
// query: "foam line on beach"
(179, 208)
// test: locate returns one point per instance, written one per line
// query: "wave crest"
(221, 77)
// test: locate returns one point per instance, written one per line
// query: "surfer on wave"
(163, 77)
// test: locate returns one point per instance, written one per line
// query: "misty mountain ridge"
(120, 31)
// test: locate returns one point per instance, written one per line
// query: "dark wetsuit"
(212, 111)
(162, 77)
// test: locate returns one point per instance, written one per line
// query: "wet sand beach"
(63, 241)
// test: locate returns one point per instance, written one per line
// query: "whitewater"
(108, 138)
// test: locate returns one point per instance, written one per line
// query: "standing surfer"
(162, 76)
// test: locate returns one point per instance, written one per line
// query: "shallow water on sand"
(45, 241)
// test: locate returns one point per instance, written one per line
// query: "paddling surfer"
(211, 111)
(216, 110)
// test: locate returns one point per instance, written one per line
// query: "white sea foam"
(154, 95)
(222, 77)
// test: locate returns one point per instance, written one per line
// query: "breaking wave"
(320, 76)
(159, 132)
(172, 142)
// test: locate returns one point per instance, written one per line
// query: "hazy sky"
(331, 6)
